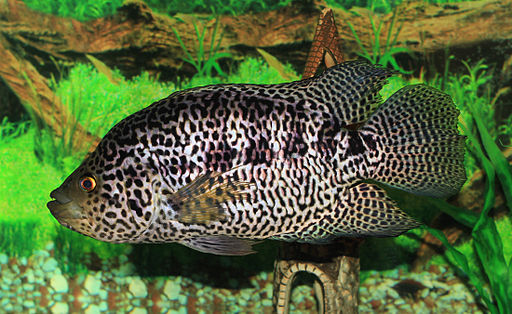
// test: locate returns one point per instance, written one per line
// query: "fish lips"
(63, 208)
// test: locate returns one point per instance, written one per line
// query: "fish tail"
(413, 142)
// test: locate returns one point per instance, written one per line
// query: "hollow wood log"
(137, 39)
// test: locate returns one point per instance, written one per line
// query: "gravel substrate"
(37, 284)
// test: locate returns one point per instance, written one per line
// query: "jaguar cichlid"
(219, 167)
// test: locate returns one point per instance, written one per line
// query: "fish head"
(107, 203)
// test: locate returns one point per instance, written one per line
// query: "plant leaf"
(459, 260)
(104, 69)
(273, 62)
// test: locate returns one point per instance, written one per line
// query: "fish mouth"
(62, 207)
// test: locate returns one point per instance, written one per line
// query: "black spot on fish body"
(135, 207)
(355, 143)
(370, 141)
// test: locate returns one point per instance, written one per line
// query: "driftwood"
(137, 39)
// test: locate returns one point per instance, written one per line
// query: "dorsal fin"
(351, 90)
(221, 245)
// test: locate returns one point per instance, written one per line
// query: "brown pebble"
(309, 304)
(44, 296)
(375, 304)
(434, 269)
(453, 281)
(429, 302)
(155, 297)
(218, 306)
(191, 305)
(112, 300)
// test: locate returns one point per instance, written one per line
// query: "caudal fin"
(418, 147)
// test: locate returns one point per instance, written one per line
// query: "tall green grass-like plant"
(216, 7)
(383, 54)
(52, 149)
(477, 125)
(10, 130)
(103, 102)
(204, 61)
(17, 238)
(81, 10)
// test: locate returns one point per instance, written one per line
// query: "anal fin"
(221, 245)
(366, 210)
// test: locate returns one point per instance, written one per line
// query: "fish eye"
(87, 184)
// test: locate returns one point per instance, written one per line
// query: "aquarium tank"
(71, 70)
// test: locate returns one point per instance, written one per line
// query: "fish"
(220, 168)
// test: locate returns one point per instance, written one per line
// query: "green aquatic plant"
(11, 130)
(505, 130)
(18, 238)
(52, 149)
(82, 10)
(204, 61)
(383, 54)
(478, 125)
(92, 9)
(99, 103)
(216, 7)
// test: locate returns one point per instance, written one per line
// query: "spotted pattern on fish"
(215, 166)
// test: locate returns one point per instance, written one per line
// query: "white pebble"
(138, 288)
(92, 309)
(92, 285)
(172, 290)
(60, 308)
(59, 283)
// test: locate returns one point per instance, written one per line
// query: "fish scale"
(219, 167)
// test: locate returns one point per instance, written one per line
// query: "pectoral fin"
(221, 245)
(201, 200)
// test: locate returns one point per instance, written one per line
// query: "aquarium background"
(45, 267)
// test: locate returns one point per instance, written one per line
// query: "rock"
(29, 304)
(92, 309)
(266, 302)
(29, 275)
(103, 306)
(59, 308)
(183, 299)
(28, 287)
(125, 269)
(59, 283)
(50, 265)
(172, 290)
(92, 285)
(3, 258)
(103, 294)
(138, 288)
